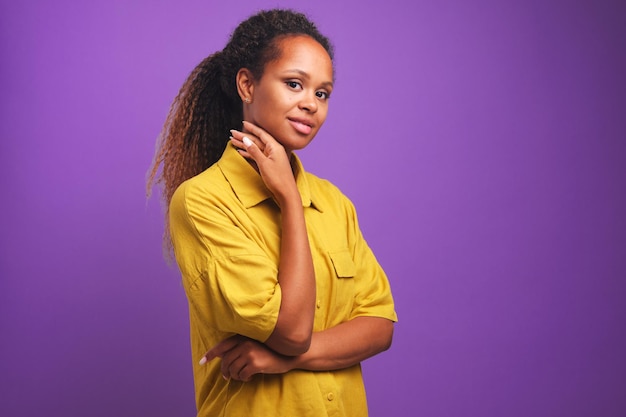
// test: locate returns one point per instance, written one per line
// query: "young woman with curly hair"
(285, 297)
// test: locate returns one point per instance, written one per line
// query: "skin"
(287, 106)
(290, 101)
(296, 276)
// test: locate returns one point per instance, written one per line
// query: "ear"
(245, 84)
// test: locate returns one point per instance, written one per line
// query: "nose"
(308, 102)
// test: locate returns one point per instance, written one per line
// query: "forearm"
(337, 348)
(294, 325)
(345, 345)
(296, 276)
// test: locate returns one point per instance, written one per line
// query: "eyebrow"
(306, 75)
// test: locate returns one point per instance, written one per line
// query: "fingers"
(252, 148)
(234, 362)
(258, 136)
(220, 349)
(263, 136)
(270, 159)
(248, 145)
(234, 366)
(240, 358)
(236, 139)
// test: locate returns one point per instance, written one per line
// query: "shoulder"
(204, 196)
(203, 188)
(327, 194)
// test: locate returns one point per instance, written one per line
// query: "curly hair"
(208, 105)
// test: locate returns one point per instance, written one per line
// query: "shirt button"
(330, 396)
(319, 303)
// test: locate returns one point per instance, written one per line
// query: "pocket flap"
(343, 263)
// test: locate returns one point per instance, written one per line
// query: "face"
(290, 100)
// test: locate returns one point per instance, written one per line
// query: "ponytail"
(196, 130)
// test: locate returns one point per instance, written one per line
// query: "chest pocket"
(343, 263)
(342, 287)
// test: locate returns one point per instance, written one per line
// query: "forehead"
(303, 53)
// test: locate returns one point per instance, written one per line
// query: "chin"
(295, 143)
(298, 146)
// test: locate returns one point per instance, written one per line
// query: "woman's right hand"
(270, 158)
(296, 276)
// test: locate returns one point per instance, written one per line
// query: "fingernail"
(202, 361)
(247, 141)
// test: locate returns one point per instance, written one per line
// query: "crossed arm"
(294, 327)
(336, 348)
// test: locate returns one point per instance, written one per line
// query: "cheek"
(271, 104)
(323, 113)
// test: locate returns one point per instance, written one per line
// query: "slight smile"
(301, 125)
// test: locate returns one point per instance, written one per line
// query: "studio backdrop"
(482, 142)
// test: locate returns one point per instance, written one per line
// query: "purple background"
(482, 142)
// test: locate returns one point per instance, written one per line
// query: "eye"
(322, 95)
(294, 84)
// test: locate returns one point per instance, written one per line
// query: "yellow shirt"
(225, 227)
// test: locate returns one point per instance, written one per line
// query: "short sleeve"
(230, 282)
(372, 289)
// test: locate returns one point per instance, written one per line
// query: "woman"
(285, 297)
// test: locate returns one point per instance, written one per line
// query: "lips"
(301, 125)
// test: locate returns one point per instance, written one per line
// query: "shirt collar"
(248, 184)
